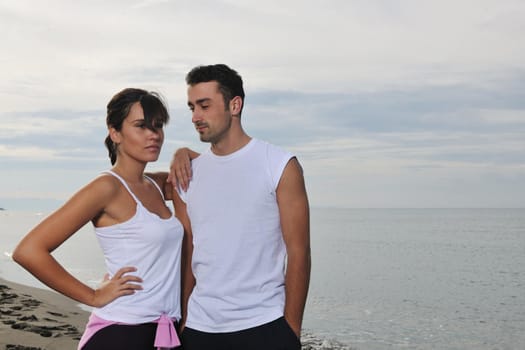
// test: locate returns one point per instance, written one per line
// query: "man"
(246, 260)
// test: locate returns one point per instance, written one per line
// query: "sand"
(38, 319)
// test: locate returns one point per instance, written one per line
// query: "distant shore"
(38, 319)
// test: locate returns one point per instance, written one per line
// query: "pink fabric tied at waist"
(165, 337)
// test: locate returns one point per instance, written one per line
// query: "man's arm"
(295, 223)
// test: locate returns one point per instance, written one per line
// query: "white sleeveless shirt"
(153, 246)
(239, 254)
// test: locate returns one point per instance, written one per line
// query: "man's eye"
(204, 106)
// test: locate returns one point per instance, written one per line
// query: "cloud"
(403, 103)
(28, 153)
(148, 3)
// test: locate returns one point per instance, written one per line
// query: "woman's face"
(135, 140)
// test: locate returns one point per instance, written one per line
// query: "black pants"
(124, 337)
(276, 335)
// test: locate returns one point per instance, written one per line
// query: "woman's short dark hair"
(155, 112)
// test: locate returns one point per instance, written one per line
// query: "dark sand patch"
(37, 319)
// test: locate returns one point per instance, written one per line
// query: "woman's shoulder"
(104, 185)
(159, 177)
(95, 195)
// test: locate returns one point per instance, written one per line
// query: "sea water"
(381, 278)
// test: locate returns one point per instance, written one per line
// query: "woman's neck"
(132, 173)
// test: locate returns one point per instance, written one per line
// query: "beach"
(33, 318)
(37, 319)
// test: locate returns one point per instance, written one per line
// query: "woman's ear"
(114, 135)
(236, 105)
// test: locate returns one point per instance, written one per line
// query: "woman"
(136, 306)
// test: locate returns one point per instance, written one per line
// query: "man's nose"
(195, 116)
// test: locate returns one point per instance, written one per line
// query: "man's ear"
(236, 105)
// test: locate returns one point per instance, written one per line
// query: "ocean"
(381, 278)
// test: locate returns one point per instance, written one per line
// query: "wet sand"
(38, 319)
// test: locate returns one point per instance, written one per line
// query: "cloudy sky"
(406, 103)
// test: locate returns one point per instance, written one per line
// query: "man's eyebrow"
(202, 100)
(199, 101)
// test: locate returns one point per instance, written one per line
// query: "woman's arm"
(180, 169)
(179, 175)
(34, 250)
(187, 280)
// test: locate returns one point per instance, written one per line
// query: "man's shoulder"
(274, 151)
(269, 146)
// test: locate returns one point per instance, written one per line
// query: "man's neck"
(230, 144)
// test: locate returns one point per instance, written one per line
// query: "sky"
(386, 104)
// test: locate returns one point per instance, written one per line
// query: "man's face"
(210, 116)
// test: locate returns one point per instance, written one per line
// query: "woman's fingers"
(180, 169)
(123, 271)
(122, 283)
(181, 177)
(127, 282)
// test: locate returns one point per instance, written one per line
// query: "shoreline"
(32, 318)
(36, 319)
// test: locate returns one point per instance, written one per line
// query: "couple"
(229, 271)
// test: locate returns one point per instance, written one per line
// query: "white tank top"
(153, 246)
(239, 253)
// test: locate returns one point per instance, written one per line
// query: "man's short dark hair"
(230, 82)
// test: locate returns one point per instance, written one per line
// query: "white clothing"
(153, 246)
(239, 253)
